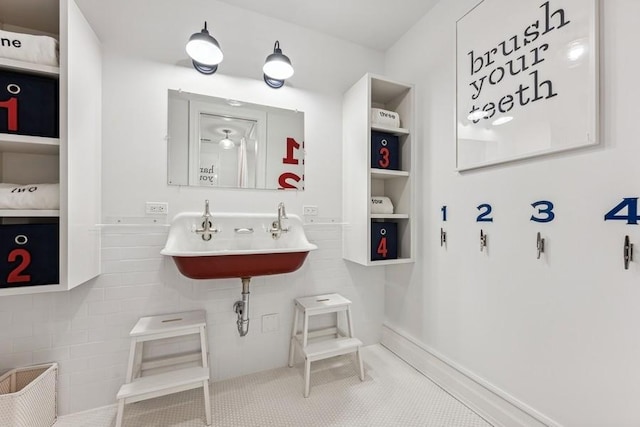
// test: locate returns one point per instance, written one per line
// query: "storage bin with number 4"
(29, 255)
(384, 240)
(385, 153)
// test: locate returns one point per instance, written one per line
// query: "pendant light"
(277, 68)
(204, 51)
(226, 143)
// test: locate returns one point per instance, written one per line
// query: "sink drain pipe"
(242, 308)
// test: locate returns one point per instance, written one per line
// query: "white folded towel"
(381, 205)
(385, 117)
(30, 196)
(29, 48)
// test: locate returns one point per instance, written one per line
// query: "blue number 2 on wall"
(545, 208)
(485, 211)
(632, 216)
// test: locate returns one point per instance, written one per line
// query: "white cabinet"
(361, 181)
(73, 159)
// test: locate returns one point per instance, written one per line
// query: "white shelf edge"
(13, 143)
(388, 174)
(29, 213)
(392, 261)
(31, 289)
(389, 129)
(389, 216)
(28, 67)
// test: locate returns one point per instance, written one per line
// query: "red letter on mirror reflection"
(282, 180)
(291, 146)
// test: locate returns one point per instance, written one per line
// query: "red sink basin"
(228, 266)
(241, 247)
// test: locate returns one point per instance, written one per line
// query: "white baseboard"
(488, 401)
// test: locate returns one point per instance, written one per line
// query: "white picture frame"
(526, 80)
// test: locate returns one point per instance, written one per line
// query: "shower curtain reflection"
(243, 176)
(224, 155)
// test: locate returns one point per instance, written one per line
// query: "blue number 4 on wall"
(631, 204)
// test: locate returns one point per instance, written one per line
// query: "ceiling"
(376, 24)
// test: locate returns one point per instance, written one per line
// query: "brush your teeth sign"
(526, 74)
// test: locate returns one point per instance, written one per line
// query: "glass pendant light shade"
(226, 143)
(204, 51)
(277, 67)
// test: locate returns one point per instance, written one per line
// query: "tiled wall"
(86, 329)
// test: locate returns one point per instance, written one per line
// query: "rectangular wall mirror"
(216, 142)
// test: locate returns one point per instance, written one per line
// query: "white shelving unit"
(73, 159)
(361, 181)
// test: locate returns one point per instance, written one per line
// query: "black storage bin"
(29, 255)
(384, 240)
(385, 152)
(28, 104)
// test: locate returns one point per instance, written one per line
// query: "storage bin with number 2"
(29, 255)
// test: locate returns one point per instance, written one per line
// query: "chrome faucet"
(276, 227)
(207, 229)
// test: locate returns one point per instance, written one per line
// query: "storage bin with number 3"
(384, 240)
(384, 151)
(29, 255)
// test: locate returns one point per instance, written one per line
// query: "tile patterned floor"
(392, 394)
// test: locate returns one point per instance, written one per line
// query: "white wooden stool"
(339, 343)
(141, 387)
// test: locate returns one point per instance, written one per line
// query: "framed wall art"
(526, 80)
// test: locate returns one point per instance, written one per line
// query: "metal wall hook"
(443, 237)
(627, 252)
(483, 241)
(539, 245)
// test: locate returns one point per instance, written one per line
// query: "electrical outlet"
(310, 210)
(157, 208)
(269, 323)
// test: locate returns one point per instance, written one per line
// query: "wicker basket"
(28, 396)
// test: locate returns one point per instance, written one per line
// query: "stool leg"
(132, 360)
(307, 375)
(360, 366)
(204, 348)
(207, 401)
(305, 329)
(294, 331)
(349, 322)
(137, 366)
(358, 355)
(120, 413)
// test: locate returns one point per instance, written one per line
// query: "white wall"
(558, 334)
(86, 329)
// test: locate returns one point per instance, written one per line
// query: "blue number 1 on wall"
(444, 212)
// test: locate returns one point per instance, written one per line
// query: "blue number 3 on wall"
(545, 208)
